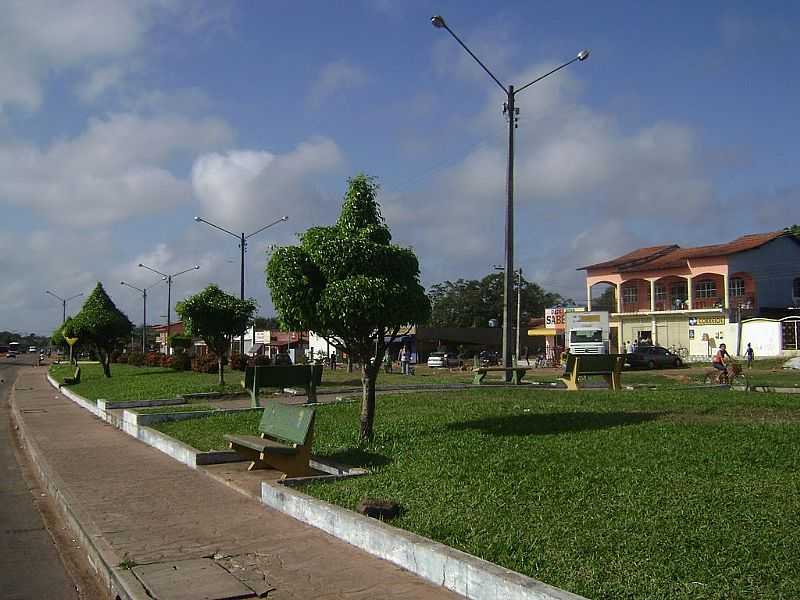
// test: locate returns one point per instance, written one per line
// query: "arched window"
(706, 288)
(736, 287)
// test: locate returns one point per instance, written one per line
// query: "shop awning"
(542, 331)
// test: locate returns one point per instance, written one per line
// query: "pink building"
(689, 297)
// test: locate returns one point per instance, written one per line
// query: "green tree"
(793, 230)
(216, 317)
(471, 303)
(349, 283)
(606, 301)
(266, 323)
(101, 325)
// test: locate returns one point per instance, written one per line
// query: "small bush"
(136, 359)
(206, 363)
(180, 362)
(238, 361)
(155, 359)
(122, 359)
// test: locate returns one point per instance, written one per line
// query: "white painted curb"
(458, 571)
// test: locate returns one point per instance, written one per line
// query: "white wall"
(764, 335)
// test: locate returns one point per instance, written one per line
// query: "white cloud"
(41, 37)
(584, 187)
(245, 187)
(115, 169)
(335, 78)
(99, 82)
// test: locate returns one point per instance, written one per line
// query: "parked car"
(440, 360)
(653, 357)
(11, 354)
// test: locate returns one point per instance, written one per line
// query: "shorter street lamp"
(143, 291)
(168, 279)
(242, 237)
(63, 303)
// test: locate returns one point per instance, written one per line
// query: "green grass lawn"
(646, 494)
(141, 383)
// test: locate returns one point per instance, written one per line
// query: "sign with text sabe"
(71, 341)
(714, 320)
(554, 317)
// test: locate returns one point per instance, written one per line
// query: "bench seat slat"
(259, 444)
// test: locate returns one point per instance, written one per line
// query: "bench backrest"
(282, 375)
(286, 422)
(594, 363)
(77, 372)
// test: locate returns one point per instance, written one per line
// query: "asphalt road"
(30, 564)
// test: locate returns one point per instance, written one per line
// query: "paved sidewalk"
(149, 508)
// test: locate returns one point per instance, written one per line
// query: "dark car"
(489, 359)
(653, 357)
(282, 358)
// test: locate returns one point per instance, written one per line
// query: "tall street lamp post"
(168, 279)
(243, 248)
(143, 292)
(509, 109)
(63, 303)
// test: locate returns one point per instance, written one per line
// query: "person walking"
(749, 355)
(333, 361)
(403, 358)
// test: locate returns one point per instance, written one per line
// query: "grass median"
(141, 383)
(657, 494)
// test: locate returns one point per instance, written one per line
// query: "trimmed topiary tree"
(348, 282)
(216, 317)
(101, 325)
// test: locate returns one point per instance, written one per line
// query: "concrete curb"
(458, 571)
(121, 583)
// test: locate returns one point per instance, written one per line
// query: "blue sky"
(120, 121)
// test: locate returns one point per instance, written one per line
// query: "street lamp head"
(122, 283)
(141, 265)
(163, 278)
(438, 21)
(198, 219)
(196, 267)
(583, 54)
(285, 218)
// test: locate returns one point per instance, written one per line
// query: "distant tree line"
(473, 302)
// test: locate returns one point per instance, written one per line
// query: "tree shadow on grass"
(554, 423)
(356, 457)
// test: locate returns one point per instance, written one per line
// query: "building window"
(706, 289)
(661, 292)
(736, 287)
(796, 287)
(630, 295)
(678, 291)
(790, 335)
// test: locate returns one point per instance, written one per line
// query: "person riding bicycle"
(720, 361)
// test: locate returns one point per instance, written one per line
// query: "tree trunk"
(349, 364)
(369, 374)
(221, 380)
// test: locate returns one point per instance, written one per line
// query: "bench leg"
(294, 465)
(254, 397)
(478, 379)
(571, 383)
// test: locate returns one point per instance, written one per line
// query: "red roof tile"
(663, 257)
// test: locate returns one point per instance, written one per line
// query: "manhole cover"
(197, 579)
(34, 410)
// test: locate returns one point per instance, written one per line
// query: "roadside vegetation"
(644, 494)
(139, 383)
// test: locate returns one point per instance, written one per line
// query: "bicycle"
(732, 376)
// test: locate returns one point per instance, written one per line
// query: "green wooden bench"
(517, 373)
(287, 432)
(608, 366)
(282, 376)
(76, 378)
